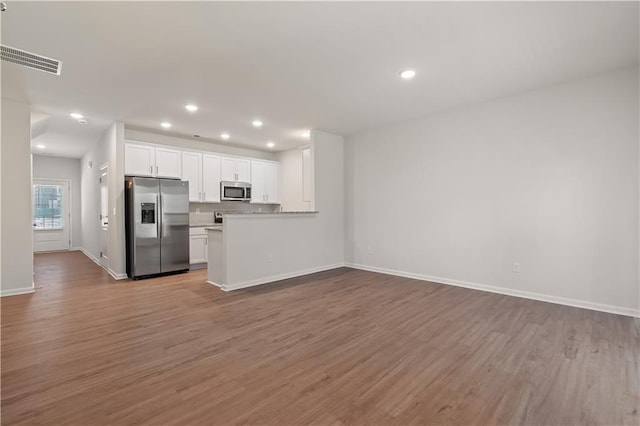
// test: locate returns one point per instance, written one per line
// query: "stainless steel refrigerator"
(157, 226)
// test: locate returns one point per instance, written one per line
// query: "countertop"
(290, 212)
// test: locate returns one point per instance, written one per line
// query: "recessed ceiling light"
(271, 144)
(305, 134)
(82, 121)
(225, 136)
(407, 74)
(76, 115)
(191, 108)
(165, 124)
(40, 146)
(257, 123)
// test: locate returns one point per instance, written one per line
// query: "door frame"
(104, 258)
(69, 216)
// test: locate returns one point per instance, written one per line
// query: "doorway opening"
(51, 215)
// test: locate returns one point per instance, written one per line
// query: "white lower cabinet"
(197, 245)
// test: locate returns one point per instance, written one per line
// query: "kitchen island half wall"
(258, 248)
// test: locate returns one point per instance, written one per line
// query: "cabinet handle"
(204, 196)
(200, 196)
(151, 169)
(156, 169)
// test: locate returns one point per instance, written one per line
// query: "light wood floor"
(340, 347)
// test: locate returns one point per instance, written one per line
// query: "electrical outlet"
(369, 250)
(516, 266)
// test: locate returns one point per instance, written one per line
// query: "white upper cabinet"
(243, 170)
(192, 173)
(147, 160)
(272, 183)
(139, 160)
(168, 163)
(235, 170)
(265, 182)
(211, 178)
(258, 183)
(204, 171)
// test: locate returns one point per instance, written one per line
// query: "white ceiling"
(331, 66)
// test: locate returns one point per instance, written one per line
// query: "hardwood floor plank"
(334, 348)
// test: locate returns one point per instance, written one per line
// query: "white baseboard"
(265, 280)
(97, 262)
(17, 291)
(115, 275)
(506, 291)
(215, 284)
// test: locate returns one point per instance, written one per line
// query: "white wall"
(547, 178)
(117, 239)
(282, 245)
(109, 150)
(48, 167)
(90, 194)
(16, 274)
(291, 181)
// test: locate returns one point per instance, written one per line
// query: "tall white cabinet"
(211, 178)
(192, 173)
(203, 173)
(265, 177)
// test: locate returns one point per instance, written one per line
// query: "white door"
(139, 160)
(243, 170)
(51, 219)
(168, 163)
(258, 182)
(191, 172)
(271, 183)
(104, 215)
(210, 178)
(228, 170)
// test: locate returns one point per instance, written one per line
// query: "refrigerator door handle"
(158, 217)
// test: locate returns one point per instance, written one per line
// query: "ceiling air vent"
(30, 60)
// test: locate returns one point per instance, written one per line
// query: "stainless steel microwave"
(235, 191)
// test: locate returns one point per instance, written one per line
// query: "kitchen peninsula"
(253, 248)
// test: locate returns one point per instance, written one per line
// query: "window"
(47, 207)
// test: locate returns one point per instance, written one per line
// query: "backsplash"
(202, 213)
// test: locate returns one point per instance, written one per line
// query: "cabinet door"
(272, 178)
(139, 160)
(228, 169)
(243, 170)
(258, 182)
(197, 249)
(192, 173)
(211, 178)
(168, 163)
